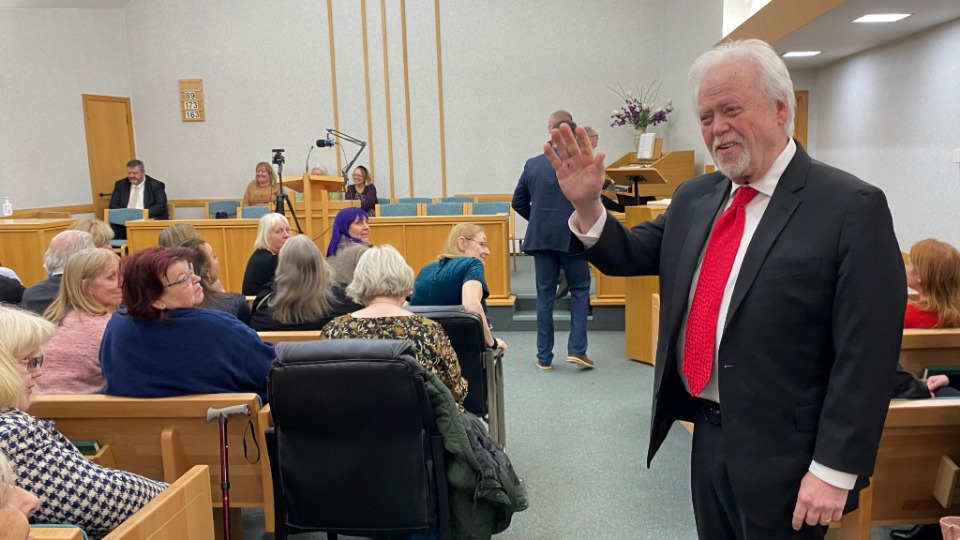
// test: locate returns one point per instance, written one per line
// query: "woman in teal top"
(457, 277)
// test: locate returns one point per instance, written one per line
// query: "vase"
(636, 135)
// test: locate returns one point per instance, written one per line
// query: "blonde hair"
(81, 269)
(267, 223)
(175, 235)
(301, 283)
(938, 265)
(381, 271)
(21, 333)
(101, 232)
(451, 249)
(266, 167)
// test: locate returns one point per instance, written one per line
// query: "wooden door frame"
(801, 117)
(87, 98)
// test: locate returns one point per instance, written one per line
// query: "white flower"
(669, 103)
(629, 94)
(615, 112)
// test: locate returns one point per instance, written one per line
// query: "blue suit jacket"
(539, 200)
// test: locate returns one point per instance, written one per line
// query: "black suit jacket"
(154, 196)
(808, 354)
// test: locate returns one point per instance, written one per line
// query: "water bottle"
(7, 207)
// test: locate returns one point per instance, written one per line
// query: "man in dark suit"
(538, 199)
(147, 192)
(782, 301)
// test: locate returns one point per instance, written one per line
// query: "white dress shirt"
(754, 210)
(136, 195)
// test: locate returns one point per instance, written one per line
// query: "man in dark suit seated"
(38, 297)
(781, 287)
(138, 190)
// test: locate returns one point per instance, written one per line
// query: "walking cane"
(221, 415)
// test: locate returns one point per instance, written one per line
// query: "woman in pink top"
(89, 294)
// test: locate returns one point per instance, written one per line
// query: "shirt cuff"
(833, 477)
(590, 237)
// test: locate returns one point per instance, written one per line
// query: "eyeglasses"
(482, 244)
(32, 363)
(185, 279)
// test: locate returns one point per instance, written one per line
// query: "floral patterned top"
(71, 488)
(434, 351)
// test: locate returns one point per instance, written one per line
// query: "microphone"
(322, 143)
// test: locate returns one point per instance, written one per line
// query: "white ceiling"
(837, 37)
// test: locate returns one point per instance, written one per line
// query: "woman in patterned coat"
(71, 488)
(382, 282)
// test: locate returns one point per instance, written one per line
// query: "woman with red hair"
(161, 344)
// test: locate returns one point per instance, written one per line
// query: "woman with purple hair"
(348, 241)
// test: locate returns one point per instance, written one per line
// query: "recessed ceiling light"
(800, 54)
(882, 17)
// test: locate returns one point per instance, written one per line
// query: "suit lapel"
(782, 205)
(703, 218)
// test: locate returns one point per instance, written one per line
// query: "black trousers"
(714, 504)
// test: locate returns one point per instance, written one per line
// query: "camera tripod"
(279, 160)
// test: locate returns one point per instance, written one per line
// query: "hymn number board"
(191, 100)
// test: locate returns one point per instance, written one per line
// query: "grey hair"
(381, 271)
(62, 246)
(302, 283)
(323, 170)
(267, 223)
(135, 163)
(558, 116)
(773, 78)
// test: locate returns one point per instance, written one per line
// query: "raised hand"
(579, 172)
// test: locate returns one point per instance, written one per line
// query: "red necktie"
(722, 249)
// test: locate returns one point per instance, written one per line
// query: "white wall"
(890, 116)
(266, 74)
(48, 58)
(265, 70)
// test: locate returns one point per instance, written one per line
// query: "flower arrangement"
(640, 112)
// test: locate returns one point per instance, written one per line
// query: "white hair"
(773, 78)
(267, 224)
(62, 246)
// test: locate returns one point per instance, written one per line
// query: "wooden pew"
(290, 335)
(917, 437)
(182, 511)
(164, 438)
(923, 348)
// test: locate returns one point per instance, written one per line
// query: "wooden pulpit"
(659, 176)
(316, 201)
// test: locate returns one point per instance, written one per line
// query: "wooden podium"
(658, 177)
(639, 294)
(316, 201)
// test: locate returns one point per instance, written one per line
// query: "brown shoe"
(581, 360)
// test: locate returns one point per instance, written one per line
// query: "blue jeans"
(548, 264)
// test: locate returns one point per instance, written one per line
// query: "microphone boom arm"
(348, 138)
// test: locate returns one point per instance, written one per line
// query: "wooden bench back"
(915, 437)
(164, 438)
(289, 335)
(922, 348)
(182, 511)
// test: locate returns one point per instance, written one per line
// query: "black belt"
(710, 411)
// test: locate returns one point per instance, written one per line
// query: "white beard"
(732, 166)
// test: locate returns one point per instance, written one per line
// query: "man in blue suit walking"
(538, 199)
